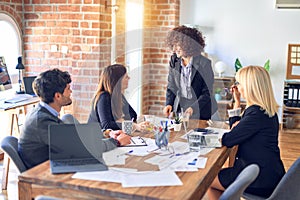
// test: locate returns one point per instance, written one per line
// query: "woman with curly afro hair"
(191, 78)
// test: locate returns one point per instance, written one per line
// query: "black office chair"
(244, 179)
(287, 188)
(9, 145)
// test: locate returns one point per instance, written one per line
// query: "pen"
(193, 162)
(123, 154)
(179, 154)
(132, 140)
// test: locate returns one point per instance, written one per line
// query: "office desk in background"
(12, 111)
(39, 180)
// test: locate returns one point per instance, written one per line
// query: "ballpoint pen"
(193, 162)
(179, 154)
(132, 140)
(126, 153)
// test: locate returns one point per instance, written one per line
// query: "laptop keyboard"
(75, 162)
(18, 98)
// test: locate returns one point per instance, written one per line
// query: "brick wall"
(14, 9)
(160, 17)
(84, 27)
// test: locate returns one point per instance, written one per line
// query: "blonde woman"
(255, 133)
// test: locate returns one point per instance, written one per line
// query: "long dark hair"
(111, 82)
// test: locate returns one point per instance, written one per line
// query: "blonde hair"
(258, 88)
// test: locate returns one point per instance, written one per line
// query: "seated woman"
(255, 133)
(109, 106)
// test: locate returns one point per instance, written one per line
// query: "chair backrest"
(288, 187)
(244, 179)
(9, 145)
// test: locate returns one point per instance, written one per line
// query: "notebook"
(28, 80)
(75, 148)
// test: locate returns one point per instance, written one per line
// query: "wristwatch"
(106, 133)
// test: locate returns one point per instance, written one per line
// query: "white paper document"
(112, 175)
(151, 179)
(116, 156)
(132, 178)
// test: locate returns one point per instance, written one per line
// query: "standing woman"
(109, 106)
(191, 78)
(255, 133)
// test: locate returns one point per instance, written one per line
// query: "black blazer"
(202, 80)
(33, 145)
(257, 137)
(103, 113)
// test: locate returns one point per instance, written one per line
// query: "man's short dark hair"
(50, 82)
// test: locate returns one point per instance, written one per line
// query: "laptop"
(75, 148)
(28, 80)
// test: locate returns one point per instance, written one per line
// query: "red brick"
(39, 2)
(42, 8)
(91, 17)
(31, 16)
(35, 24)
(58, 1)
(60, 31)
(84, 25)
(88, 1)
(93, 8)
(68, 8)
(51, 16)
(71, 16)
(64, 24)
(75, 1)
(33, 54)
(50, 23)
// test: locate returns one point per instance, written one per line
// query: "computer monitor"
(5, 81)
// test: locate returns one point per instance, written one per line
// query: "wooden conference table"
(40, 181)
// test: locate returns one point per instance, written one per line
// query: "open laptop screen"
(5, 82)
(28, 80)
(74, 141)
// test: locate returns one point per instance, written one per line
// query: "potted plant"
(177, 123)
(218, 96)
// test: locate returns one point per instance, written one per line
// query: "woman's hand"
(115, 134)
(236, 95)
(141, 126)
(189, 111)
(167, 110)
(123, 139)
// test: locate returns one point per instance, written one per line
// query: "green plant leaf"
(267, 65)
(237, 65)
(177, 120)
(218, 90)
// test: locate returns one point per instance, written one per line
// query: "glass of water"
(195, 141)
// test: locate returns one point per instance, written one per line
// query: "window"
(134, 50)
(10, 40)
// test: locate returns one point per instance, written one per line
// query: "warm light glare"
(9, 46)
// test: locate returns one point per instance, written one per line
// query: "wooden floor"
(289, 143)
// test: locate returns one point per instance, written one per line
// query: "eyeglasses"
(236, 83)
(170, 151)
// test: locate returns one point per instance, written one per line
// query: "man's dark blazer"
(202, 80)
(33, 144)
